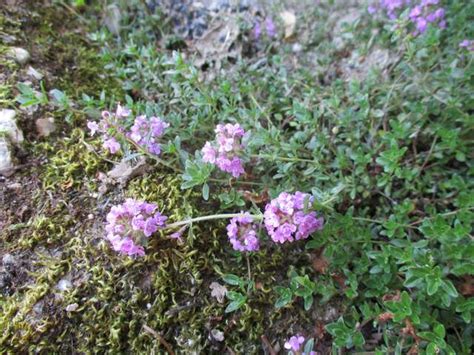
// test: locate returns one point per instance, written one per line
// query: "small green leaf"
(309, 346)
(285, 297)
(439, 330)
(235, 305)
(232, 279)
(205, 192)
(234, 296)
(432, 285)
(449, 288)
(308, 302)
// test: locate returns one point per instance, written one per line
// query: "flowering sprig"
(144, 133)
(226, 149)
(286, 218)
(107, 125)
(130, 224)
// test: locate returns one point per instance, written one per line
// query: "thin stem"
(368, 220)
(447, 214)
(262, 111)
(413, 224)
(237, 182)
(248, 267)
(209, 218)
(289, 159)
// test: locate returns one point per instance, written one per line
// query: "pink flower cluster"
(108, 121)
(425, 13)
(130, 224)
(145, 132)
(242, 233)
(286, 220)
(225, 151)
(422, 12)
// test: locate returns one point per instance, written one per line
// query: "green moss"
(72, 162)
(77, 64)
(7, 66)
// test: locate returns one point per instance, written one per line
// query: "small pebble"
(34, 73)
(20, 55)
(217, 334)
(8, 259)
(64, 285)
(297, 48)
(72, 307)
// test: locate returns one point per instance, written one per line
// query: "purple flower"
(93, 127)
(257, 30)
(242, 233)
(415, 12)
(112, 145)
(106, 115)
(439, 14)
(226, 149)
(294, 343)
(130, 223)
(145, 132)
(429, 2)
(234, 166)
(468, 44)
(209, 153)
(270, 27)
(122, 111)
(178, 233)
(287, 220)
(421, 24)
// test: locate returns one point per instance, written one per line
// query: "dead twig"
(160, 338)
(429, 155)
(269, 346)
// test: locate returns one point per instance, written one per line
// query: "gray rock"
(8, 39)
(20, 55)
(8, 259)
(9, 128)
(6, 160)
(34, 73)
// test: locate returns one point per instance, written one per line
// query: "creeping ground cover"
(239, 177)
